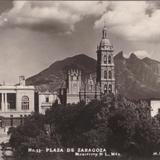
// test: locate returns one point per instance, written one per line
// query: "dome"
(105, 42)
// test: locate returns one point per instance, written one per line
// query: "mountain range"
(135, 78)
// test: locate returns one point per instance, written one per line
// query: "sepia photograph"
(79, 80)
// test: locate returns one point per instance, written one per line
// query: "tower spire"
(105, 42)
(104, 31)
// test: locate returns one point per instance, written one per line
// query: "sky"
(35, 34)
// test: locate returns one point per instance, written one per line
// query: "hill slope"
(54, 76)
(136, 78)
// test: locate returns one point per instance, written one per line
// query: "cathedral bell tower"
(105, 64)
(74, 85)
(74, 81)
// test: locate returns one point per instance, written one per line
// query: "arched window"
(105, 74)
(25, 103)
(105, 88)
(110, 88)
(110, 74)
(75, 78)
(109, 59)
(105, 59)
(47, 99)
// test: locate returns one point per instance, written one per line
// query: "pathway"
(3, 138)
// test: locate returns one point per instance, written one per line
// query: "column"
(2, 102)
(5, 102)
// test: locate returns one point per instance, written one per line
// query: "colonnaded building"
(16, 102)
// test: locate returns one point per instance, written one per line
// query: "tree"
(21, 136)
(133, 131)
(121, 123)
(79, 124)
(114, 123)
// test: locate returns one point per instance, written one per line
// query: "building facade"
(155, 107)
(90, 89)
(16, 102)
(46, 100)
(19, 101)
(74, 82)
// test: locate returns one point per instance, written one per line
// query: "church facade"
(93, 86)
(74, 83)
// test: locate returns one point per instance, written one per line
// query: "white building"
(46, 100)
(155, 107)
(16, 100)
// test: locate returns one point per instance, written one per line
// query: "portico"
(16, 101)
(6, 105)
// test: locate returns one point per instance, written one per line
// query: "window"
(11, 118)
(21, 119)
(105, 74)
(110, 88)
(110, 74)
(25, 103)
(47, 99)
(105, 88)
(75, 78)
(11, 99)
(109, 59)
(158, 110)
(105, 59)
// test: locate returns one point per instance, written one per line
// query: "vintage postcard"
(79, 80)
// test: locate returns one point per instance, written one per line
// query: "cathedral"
(93, 86)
